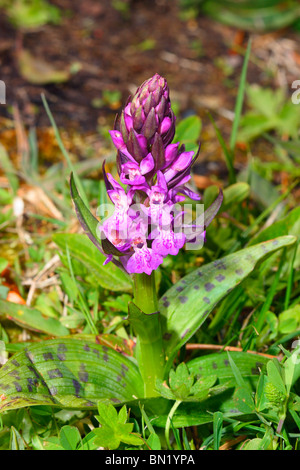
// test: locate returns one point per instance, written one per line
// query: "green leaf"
(292, 369)
(253, 444)
(3, 264)
(183, 386)
(153, 442)
(52, 443)
(288, 225)
(68, 373)
(188, 132)
(197, 413)
(235, 194)
(114, 428)
(218, 424)
(16, 441)
(85, 217)
(240, 99)
(181, 381)
(83, 251)
(187, 304)
(243, 396)
(274, 375)
(32, 319)
(248, 365)
(69, 437)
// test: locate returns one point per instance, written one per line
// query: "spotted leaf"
(187, 304)
(82, 250)
(68, 373)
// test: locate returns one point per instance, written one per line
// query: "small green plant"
(260, 15)
(270, 111)
(114, 428)
(29, 14)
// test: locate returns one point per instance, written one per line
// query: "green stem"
(150, 353)
(145, 296)
(168, 423)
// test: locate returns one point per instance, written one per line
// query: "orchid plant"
(146, 224)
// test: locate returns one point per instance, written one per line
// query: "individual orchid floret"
(168, 242)
(182, 163)
(142, 259)
(133, 173)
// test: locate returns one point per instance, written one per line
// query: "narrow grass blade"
(239, 100)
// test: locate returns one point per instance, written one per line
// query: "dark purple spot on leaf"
(29, 355)
(196, 287)
(48, 356)
(82, 374)
(124, 369)
(115, 400)
(239, 271)
(105, 358)
(209, 286)
(4, 387)
(86, 347)
(15, 374)
(15, 363)
(185, 333)
(179, 288)
(34, 371)
(31, 383)
(96, 351)
(226, 362)
(215, 365)
(183, 299)
(166, 303)
(61, 350)
(18, 386)
(220, 277)
(167, 336)
(219, 264)
(206, 300)
(77, 387)
(54, 373)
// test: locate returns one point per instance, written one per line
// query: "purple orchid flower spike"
(147, 223)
